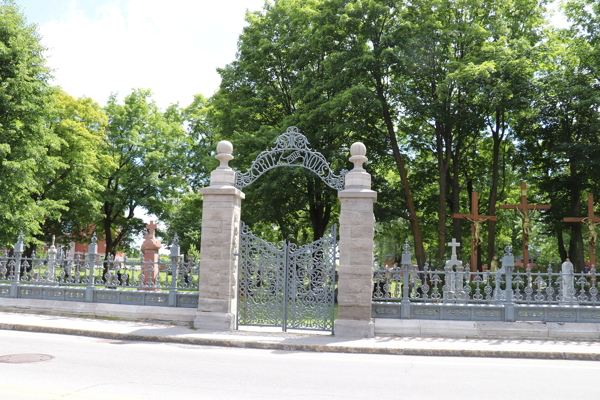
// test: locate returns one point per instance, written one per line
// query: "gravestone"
(567, 285)
(508, 261)
(149, 249)
(455, 271)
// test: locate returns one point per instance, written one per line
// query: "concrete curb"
(330, 348)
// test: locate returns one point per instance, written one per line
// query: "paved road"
(87, 368)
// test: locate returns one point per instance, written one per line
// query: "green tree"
(511, 53)
(148, 171)
(200, 143)
(80, 160)
(560, 139)
(185, 221)
(371, 33)
(283, 77)
(25, 138)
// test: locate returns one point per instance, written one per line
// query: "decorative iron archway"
(291, 150)
(281, 284)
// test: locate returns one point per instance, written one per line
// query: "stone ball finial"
(225, 146)
(358, 151)
(224, 150)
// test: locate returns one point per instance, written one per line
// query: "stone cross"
(151, 227)
(591, 221)
(454, 279)
(476, 221)
(523, 209)
(454, 244)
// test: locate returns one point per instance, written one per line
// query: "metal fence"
(553, 293)
(89, 278)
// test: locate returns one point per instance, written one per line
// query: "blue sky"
(101, 46)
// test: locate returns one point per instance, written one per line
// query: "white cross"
(454, 245)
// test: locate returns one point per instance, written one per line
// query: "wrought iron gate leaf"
(284, 285)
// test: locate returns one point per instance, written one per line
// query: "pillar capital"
(358, 178)
(223, 175)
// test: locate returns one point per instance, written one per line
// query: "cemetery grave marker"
(476, 221)
(591, 221)
(525, 210)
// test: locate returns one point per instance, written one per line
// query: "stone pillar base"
(215, 321)
(354, 328)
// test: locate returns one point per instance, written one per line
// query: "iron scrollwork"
(281, 284)
(291, 150)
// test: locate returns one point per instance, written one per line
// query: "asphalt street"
(93, 368)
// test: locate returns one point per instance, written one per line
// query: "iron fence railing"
(454, 283)
(550, 286)
(92, 272)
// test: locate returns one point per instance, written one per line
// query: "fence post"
(52, 261)
(14, 287)
(92, 250)
(508, 262)
(406, 263)
(174, 272)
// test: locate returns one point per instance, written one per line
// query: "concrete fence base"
(177, 316)
(487, 329)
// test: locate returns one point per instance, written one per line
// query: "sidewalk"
(259, 338)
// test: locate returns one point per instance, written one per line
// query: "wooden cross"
(591, 221)
(476, 221)
(523, 210)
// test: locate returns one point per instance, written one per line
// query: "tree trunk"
(443, 147)
(319, 210)
(456, 193)
(561, 244)
(491, 246)
(576, 254)
(414, 220)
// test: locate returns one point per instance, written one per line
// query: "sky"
(97, 47)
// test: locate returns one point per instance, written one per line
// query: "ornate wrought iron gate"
(284, 285)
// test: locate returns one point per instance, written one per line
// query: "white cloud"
(172, 49)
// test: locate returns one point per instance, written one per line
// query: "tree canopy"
(450, 98)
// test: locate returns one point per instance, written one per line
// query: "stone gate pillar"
(357, 222)
(217, 304)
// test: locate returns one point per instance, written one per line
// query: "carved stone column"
(217, 304)
(356, 250)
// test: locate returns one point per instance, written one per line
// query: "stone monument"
(149, 249)
(567, 286)
(453, 289)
